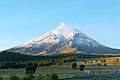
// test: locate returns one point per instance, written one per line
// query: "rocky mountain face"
(62, 40)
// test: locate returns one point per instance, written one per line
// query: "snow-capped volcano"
(64, 30)
(62, 40)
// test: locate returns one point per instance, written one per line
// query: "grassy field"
(65, 71)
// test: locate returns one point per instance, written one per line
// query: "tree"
(81, 67)
(74, 66)
(54, 76)
(91, 61)
(99, 64)
(96, 61)
(60, 62)
(105, 64)
(99, 68)
(117, 60)
(103, 61)
(31, 68)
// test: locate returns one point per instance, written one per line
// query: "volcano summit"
(63, 40)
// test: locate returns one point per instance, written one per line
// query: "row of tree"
(23, 64)
(11, 56)
(52, 76)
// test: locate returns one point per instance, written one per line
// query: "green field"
(65, 71)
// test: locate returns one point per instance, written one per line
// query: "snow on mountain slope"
(62, 40)
(64, 30)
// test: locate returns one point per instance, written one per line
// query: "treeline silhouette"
(16, 60)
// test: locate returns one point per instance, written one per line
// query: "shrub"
(91, 61)
(31, 69)
(40, 77)
(99, 64)
(75, 76)
(14, 77)
(74, 66)
(81, 67)
(1, 78)
(105, 64)
(28, 77)
(54, 76)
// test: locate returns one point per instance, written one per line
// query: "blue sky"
(22, 20)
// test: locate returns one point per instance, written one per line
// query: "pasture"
(110, 71)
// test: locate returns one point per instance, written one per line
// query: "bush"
(14, 77)
(40, 77)
(75, 76)
(31, 69)
(54, 76)
(99, 64)
(105, 64)
(1, 78)
(28, 77)
(74, 66)
(81, 67)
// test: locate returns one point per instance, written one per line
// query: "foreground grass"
(65, 71)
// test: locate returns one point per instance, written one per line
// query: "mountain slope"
(62, 40)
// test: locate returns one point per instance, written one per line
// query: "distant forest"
(17, 60)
